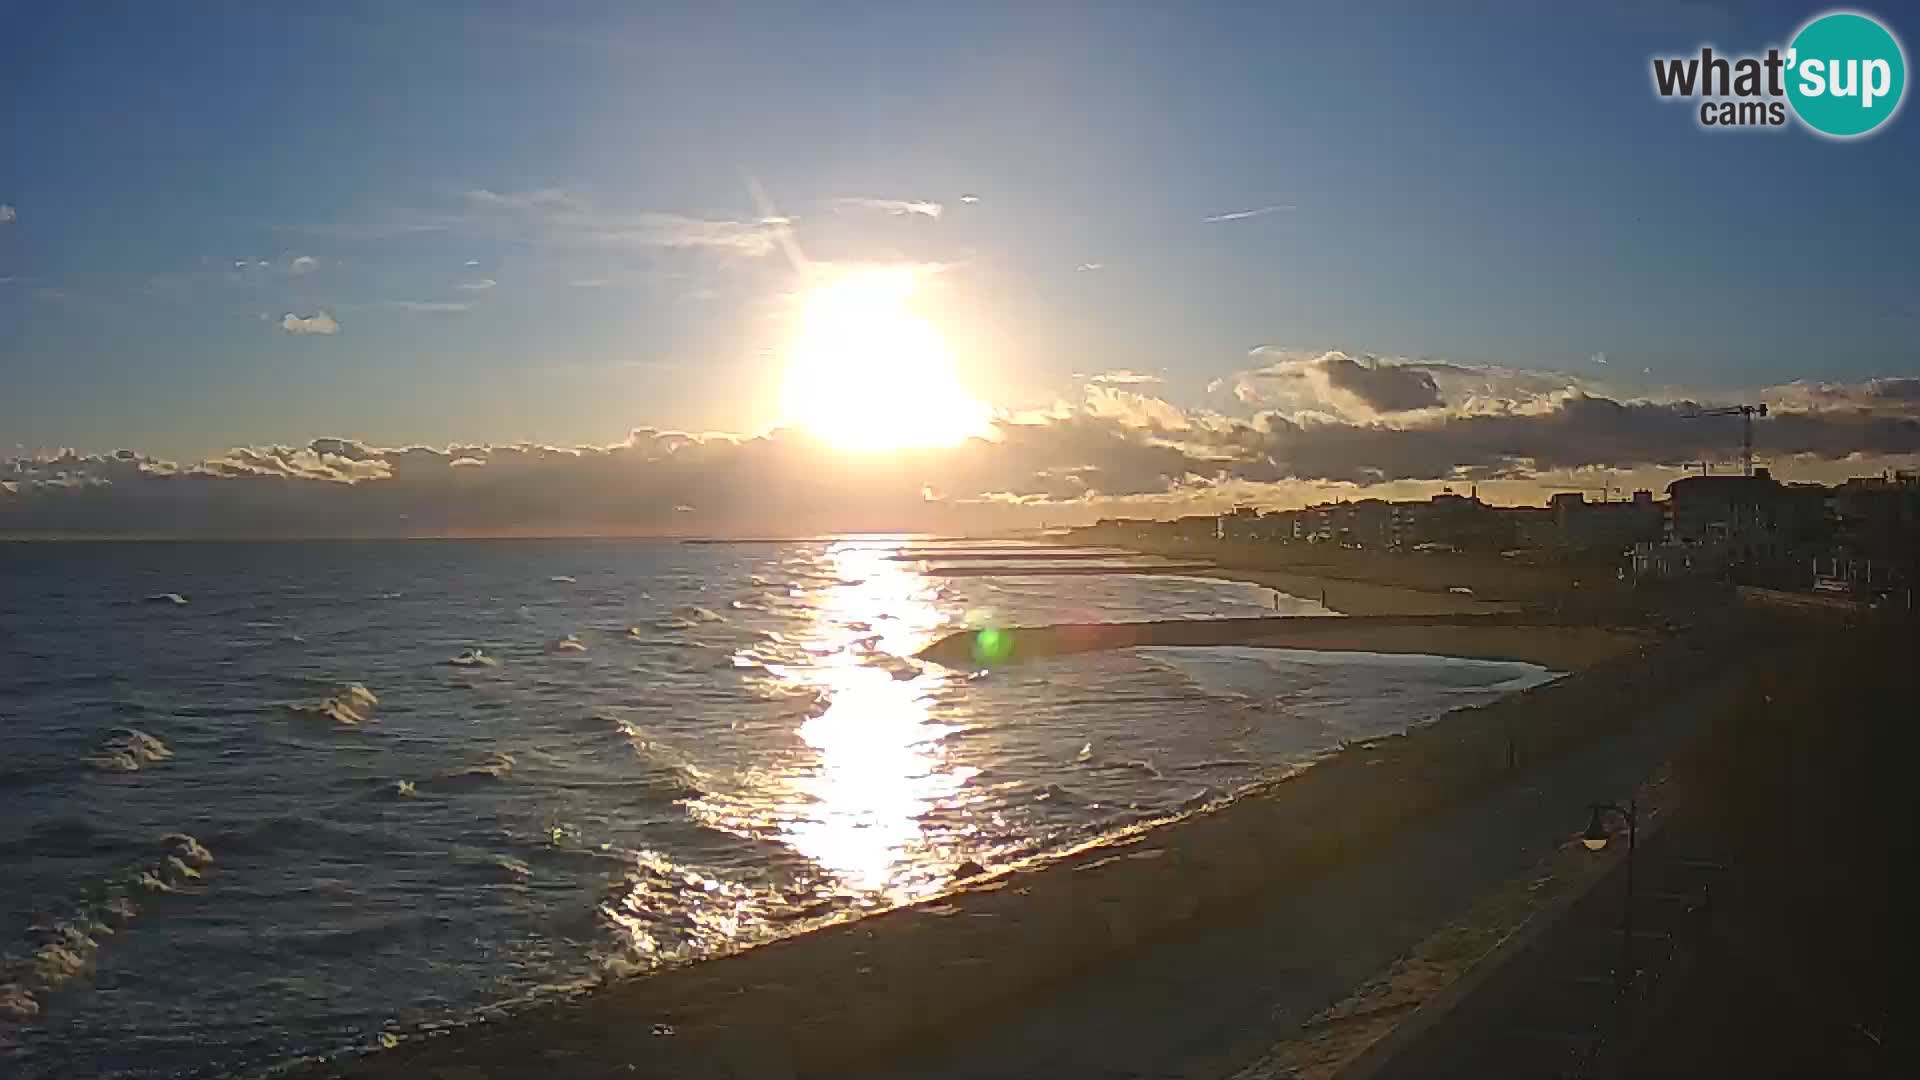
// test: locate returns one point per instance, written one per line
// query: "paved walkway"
(1207, 1002)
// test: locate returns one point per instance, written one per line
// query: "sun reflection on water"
(857, 808)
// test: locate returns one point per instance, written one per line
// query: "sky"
(1179, 234)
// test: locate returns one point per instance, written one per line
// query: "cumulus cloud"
(1344, 385)
(898, 207)
(302, 264)
(1242, 215)
(8, 215)
(1116, 449)
(318, 323)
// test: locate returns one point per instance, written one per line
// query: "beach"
(878, 993)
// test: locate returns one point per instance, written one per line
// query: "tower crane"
(1746, 413)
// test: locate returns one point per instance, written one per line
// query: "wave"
(350, 706)
(693, 613)
(130, 750)
(172, 598)
(562, 579)
(569, 643)
(65, 947)
(473, 658)
(497, 766)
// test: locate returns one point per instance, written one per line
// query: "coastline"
(830, 999)
(1361, 597)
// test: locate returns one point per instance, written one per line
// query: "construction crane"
(1746, 413)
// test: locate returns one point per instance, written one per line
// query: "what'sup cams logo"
(1843, 76)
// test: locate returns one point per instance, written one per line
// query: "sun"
(866, 372)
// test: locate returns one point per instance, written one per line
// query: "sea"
(266, 800)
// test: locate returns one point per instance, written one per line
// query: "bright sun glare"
(867, 372)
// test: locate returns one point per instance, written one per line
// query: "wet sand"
(1477, 637)
(831, 1000)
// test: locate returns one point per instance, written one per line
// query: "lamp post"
(1595, 838)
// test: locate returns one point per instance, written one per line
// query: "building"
(1578, 523)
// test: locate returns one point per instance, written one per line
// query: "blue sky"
(1502, 189)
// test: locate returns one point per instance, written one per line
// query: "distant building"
(1578, 523)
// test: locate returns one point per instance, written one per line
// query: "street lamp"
(1595, 838)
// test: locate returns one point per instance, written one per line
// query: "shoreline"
(832, 998)
(1360, 597)
(1559, 647)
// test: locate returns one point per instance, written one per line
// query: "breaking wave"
(129, 750)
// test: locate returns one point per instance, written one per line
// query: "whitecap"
(562, 579)
(568, 643)
(348, 707)
(16, 1003)
(186, 849)
(130, 750)
(514, 867)
(150, 881)
(57, 963)
(173, 598)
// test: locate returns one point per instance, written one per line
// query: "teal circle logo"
(1846, 74)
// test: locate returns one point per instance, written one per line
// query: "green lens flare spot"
(992, 646)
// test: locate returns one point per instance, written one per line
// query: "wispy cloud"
(540, 199)
(481, 285)
(8, 215)
(1089, 267)
(368, 230)
(302, 264)
(473, 262)
(898, 207)
(1242, 215)
(558, 216)
(427, 306)
(318, 323)
(52, 295)
(969, 199)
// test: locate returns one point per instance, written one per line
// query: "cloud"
(1242, 215)
(1090, 266)
(1121, 377)
(473, 262)
(8, 215)
(427, 306)
(318, 323)
(1116, 450)
(589, 283)
(542, 199)
(969, 199)
(1341, 384)
(302, 264)
(481, 285)
(558, 216)
(899, 207)
(367, 230)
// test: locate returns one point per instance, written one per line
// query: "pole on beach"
(1625, 983)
